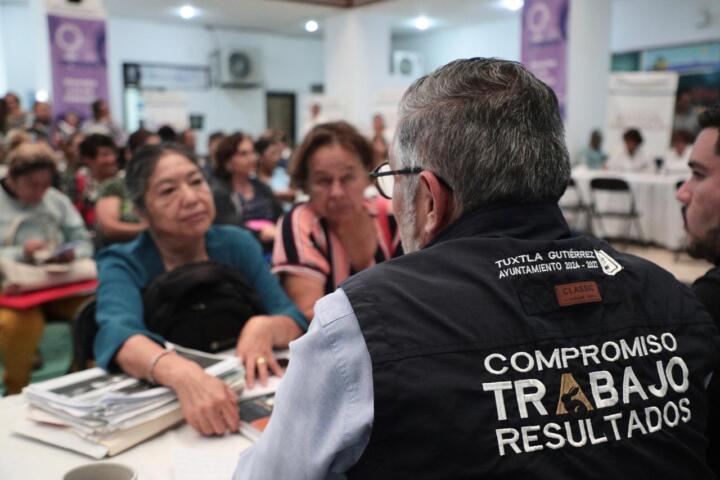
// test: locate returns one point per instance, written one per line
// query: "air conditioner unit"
(235, 68)
(406, 64)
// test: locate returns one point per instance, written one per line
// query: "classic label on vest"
(577, 293)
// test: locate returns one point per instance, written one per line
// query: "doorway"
(281, 113)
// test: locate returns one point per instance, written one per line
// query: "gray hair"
(142, 165)
(489, 128)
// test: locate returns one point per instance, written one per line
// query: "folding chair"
(616, 188)
(576, 209)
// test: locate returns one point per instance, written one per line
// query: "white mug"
(102, 471)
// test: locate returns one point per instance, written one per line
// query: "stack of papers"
(107, 413)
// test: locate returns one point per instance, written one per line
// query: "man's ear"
(436, 202)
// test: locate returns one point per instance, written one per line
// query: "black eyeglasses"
(384, 177)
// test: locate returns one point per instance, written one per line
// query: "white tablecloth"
(22, 458)
(659, 210)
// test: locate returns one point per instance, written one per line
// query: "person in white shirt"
(631, 158)
(676, 159)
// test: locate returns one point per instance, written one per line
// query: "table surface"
(23, 458)
(670, 178)
(660, 212)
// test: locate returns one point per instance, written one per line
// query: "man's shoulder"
(707, 290)
(711, 277)
(333, 307)
(402, 265)
(643, 267)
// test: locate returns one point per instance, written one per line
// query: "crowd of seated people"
(33, 215)
(630, 156)
(145, 204)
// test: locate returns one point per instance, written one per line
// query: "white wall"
(291, 65)
(638, 24)
(492, 39)
(588, 70)
(635, 24)
(3, 63)
(15, 26)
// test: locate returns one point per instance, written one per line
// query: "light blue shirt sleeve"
(323, 411)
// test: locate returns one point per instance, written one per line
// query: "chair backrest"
(571, 197)
(611, 184)
(614, 187)
(84, 330)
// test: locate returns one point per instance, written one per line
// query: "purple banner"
(544, 43)
(79, 68)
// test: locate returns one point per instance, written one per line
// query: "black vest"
(509, 349)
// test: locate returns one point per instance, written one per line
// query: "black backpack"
(201, 305)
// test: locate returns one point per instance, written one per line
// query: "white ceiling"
(289, 17)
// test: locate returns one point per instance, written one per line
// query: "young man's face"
(104, 165)
(700, 197)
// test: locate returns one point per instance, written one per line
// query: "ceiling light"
(187, 12)
(513, 5)
(311, 26)
(42, 95)
(422, 23)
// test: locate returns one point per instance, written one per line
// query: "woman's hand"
(255, 349)
(31, 246)
(207, 403)
(267, 234)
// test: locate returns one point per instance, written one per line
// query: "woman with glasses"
(338, 232)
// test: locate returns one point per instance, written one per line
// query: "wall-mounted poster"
(645, 101)
(79, 66)
(544, 43)
(699, 58)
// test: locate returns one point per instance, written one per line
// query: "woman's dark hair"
(96, 108)
(90, 147)
(225, 150)
(167, 134)
(15, 96)
(3, 115)
(263, 143)
(634, 135)
(325, 134)
(31, 157)
(138, 138)
(142, 166)
(685, 136)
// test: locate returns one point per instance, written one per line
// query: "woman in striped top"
(339, 231)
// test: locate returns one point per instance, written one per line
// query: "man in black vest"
(700, 197)
(500, 346)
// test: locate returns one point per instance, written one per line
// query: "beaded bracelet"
(154, 362)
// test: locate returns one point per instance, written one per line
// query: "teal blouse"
(125, 269)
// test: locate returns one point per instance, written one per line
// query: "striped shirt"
(306, 246)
